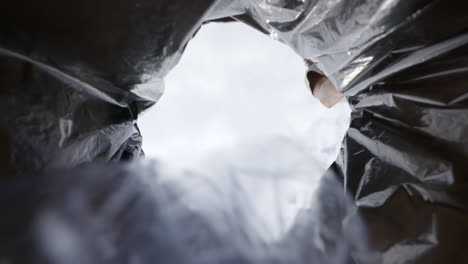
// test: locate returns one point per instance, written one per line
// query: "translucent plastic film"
(75, 75)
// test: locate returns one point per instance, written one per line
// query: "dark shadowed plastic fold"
(75, 75)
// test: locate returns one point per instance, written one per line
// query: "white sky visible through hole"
(237, 105)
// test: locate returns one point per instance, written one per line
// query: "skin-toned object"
(322, 88)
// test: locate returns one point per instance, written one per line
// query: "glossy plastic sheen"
(74, 76)
(402, 67)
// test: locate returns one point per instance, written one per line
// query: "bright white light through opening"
(237, 106)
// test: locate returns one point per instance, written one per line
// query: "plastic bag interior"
(75, 76)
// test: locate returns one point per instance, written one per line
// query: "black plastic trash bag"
(131, 214)
(74, 76)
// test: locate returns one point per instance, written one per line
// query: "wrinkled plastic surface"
(133, 214)
(74, 77)
(402, 66)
